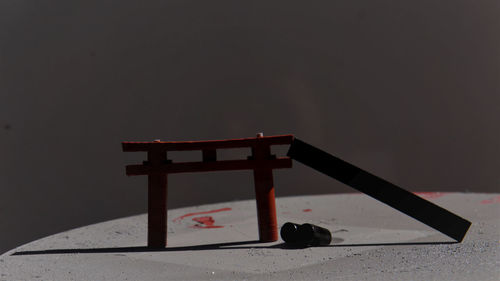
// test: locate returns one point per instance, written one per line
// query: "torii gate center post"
(157, 167)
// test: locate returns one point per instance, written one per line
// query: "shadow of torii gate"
(262, 163)
(157, 167)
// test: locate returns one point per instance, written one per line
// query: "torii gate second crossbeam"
(157, 167)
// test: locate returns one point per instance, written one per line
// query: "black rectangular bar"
(382, 190)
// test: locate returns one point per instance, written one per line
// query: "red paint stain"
(306, 210)
(201, 213)
(430, 195)
(205, 222)
(491, 200)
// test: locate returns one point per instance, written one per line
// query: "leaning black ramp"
(404, 201)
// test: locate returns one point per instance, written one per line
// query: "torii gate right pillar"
(264, 194)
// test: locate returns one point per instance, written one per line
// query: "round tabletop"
(371, 241)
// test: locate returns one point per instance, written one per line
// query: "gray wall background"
(408, 90)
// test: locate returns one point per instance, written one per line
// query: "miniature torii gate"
(157, 167)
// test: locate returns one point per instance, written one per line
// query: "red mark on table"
(201, 213)
(430, 195)
(491, 200)
(306, 210)
(205, 222)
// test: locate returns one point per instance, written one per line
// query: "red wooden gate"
(157, 167)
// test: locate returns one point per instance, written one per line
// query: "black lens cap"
(306, 234)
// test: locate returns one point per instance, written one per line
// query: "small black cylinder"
(289, 233)
(314, 235)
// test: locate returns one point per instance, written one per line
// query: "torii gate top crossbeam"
(204, 145)
(209, 162)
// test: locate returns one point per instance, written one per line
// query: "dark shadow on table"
(217, 246)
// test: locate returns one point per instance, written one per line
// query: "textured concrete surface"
(218, 242)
